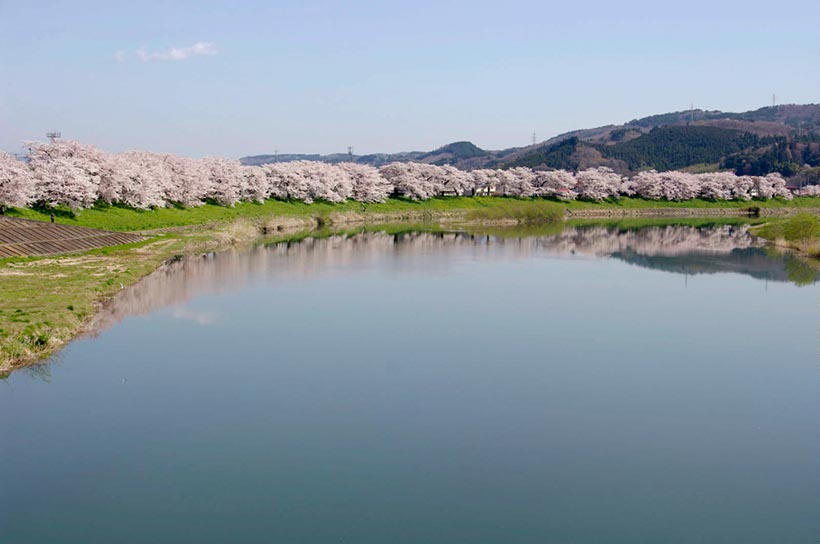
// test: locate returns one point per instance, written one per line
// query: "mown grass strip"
(118, 218)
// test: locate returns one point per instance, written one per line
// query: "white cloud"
(202, 318)
(177, 53)
(119, 56)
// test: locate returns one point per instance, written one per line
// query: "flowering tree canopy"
(78, 175)
(16, 182)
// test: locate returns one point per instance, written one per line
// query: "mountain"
(783, 139)
(375, 159)
(463, 154)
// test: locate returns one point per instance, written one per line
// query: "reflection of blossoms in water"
(723, 248)
(667, 241)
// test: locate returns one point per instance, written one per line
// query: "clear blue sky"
(305, 76)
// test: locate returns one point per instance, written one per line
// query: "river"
(597, 383)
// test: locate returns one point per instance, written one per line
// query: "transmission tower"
(533, 138)
(54, 135)
(773, 100)
(350, 152)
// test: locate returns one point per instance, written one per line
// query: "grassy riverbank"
(800, 233)
(126, 219)
(117, 218)
(45, 301)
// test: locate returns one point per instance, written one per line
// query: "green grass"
(44, 301)
(525, 211)
(800, 233)
(117, 218)
(802, 227)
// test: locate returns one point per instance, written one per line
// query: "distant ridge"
(783, 139)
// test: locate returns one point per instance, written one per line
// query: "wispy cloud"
(202, 318)
(177, 53)
(119, 56)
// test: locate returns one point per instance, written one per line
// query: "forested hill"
(783, 139)
(692, 147)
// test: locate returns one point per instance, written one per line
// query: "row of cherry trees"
(78, 175)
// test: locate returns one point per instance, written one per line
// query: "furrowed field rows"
(26, 238)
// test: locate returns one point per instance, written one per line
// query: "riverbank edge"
(123, 219)
(671, 213)
(472, 217)
(165, 245)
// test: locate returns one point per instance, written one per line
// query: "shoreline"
(121, 219)
(50, 301)
(752, 211)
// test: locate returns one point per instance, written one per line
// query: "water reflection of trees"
(679, 249)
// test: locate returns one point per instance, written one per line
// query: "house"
(485, 191)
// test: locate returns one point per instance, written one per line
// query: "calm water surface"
(593, 385)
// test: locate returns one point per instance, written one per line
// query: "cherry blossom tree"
(225, 180)
(455, 181)
(277, 184)
(77, 175)
(329, 182)
(254, 185)
(413, 180)
(771, 186)
(741, 188)
(677, 186)
(673, 186)
(368, 184)
(146, 179)
(555, 184)
(483, 181)
(114, 171)
(514, 182)
(597, 184)
(189, 183)
(65, 172)
(716, 185)
(16, 182)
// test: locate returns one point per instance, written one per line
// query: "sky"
(241, 78)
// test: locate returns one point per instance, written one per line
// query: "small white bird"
(122, 287)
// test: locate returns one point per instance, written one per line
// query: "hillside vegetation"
(782, 139)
